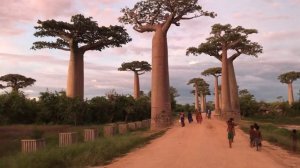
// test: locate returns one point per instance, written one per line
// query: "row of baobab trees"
(157, 16)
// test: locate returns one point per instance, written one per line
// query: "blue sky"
(276, 20)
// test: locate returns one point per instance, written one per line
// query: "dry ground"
(205, 146)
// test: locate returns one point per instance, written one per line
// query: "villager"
(182, 119)
(230, 131)
(208, 113)
(258, 138)
(198, 117)
(252, 136)
(190, 117)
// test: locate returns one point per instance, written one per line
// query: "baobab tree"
(289, 78)
(203, 91)
(216, 72)
(138, 68)
(16, 81)
(195, 82)
(157, 16)
(224, 38)
(81, 35)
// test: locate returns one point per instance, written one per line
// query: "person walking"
(182, 119)
(252, 136)
(198, 117)
(258, 138)
(230, 131)
(190, 117)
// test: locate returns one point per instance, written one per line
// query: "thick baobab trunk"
(217, 104)
(234, 95)
(196, 98)
(203, 108)
(136, 86)
(225, 91)
(204, 103)
(75, 80)
(290, 93)
(160, 97)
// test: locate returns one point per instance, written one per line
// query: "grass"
(272, 133)
(94, 153)
(276, 120)
(10, 136)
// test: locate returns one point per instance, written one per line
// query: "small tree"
(224, 38)
(138, 68)
(249, 106)
(16, 81)
(289, 78)
(81, 35)
(158, 16)
(216, 72)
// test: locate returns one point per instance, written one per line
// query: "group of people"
(255, 136)
(190, 117)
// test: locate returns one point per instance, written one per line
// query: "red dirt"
(205, 146)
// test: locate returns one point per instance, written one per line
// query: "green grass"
(276, 120)
(10, 136)
(272, 133)
(99, 152)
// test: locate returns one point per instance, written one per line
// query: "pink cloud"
(260, 16)
(16, 13)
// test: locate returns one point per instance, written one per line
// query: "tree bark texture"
(160, 97)
(217, 103)
(75, 81)
(136, 86)
(290, 93)
(196, 97)
(225, 89)
(234, 95)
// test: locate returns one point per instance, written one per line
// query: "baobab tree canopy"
(82, 33)
(289, 77)
(16, 81)
(203, 86)
(235, 39)
(195, 80)
(216, 71)
(136, 66)
(148, 13)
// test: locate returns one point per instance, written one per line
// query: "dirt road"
(205, 146)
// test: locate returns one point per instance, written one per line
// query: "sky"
(277, 23)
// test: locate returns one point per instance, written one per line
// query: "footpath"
(205, 146)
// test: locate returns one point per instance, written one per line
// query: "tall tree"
(195, 82)
(138, 68)
(157, 16)
(81, 35)
(289, 78)
(216, 72)
(16, 81)
(203, 91)
(224, 38)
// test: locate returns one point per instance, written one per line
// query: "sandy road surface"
(205, 146)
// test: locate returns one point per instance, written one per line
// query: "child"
(182, 119)
(230, 131)
(258, 138)
(252, 135)
(294, 140)
(198, 117)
